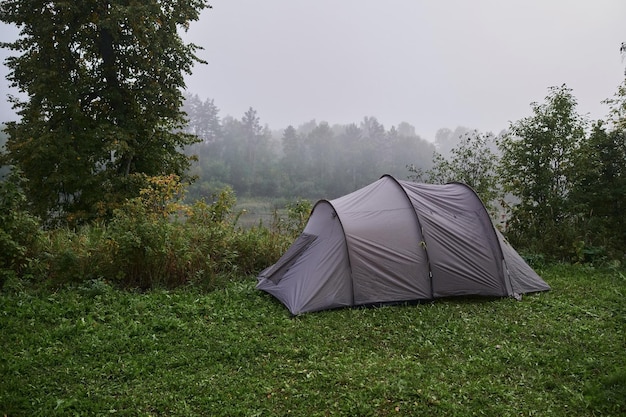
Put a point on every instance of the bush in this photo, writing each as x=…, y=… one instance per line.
x=148, y=242
x=156, y=241
x=19, y=230
x=297, y=216
x=74, y=256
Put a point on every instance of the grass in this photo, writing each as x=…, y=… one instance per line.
x=96, y=350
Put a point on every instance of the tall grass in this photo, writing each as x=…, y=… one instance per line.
x=19, y=230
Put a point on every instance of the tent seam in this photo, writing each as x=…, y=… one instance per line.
x=345, y=241
x=506, y=276
x=421, y=230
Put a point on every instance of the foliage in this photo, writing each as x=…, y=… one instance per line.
x=617, y=104
x=598, y=196
x=4, y=168
x=91, y=349
x=448, y=139
x=297, y=217
x=19, y=230
x=537, y=167
x=156, y=240
x=102, y=85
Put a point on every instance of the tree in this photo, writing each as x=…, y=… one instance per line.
x=351, y=145
x=538, y=155
x=617, y=112
x=293, y=162
x=203, y=119
x=406, y=129
x=598, y=197
x=4, y=169
x=373, y=149
x=599, y=194
x=321, y=144
x=446, y=139
x=103, y=84
x=408, y=149
x=253, y=138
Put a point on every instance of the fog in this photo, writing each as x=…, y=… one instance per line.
x=432, y=64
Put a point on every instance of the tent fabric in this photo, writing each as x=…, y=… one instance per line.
x=395, y=241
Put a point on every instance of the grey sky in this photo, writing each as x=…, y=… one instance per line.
x=434, y=64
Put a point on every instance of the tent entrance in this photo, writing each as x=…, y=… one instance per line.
x=277, y=271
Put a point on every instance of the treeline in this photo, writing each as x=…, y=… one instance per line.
x=558, y=179
x=555, y=182
x=313, y=160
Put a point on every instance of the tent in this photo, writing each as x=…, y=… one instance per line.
x=397, y=241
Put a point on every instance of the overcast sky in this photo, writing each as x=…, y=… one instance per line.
x=434, y=63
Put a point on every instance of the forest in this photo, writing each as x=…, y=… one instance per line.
x=554, y=171
x=313, y=160
x=554, y=182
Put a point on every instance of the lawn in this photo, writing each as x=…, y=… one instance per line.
x=96, y=350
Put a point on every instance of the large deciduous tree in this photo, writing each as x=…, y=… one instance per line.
x=102, y=82
x=599, y=194
x=537, y=167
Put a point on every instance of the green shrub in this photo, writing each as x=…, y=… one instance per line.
x=19, y=230
x=297, y=216
x=157, y=241
x=70, y=256
x=148, y=244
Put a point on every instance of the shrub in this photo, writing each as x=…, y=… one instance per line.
x=157, y=241
x=148, y=245
x=19, y=230
x=297, y=216
x=68, y=256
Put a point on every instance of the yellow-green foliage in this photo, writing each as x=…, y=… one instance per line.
x=156, y=240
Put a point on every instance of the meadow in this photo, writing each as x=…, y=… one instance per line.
x=92, y=349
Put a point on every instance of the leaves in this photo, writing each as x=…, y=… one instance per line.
x=537, y=166
x=103, y=94
x=473, y=162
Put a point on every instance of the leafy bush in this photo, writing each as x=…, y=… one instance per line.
x=297, y=216
x=157, y=241
x=154, y=245
x=19, y=230
x=74, y=256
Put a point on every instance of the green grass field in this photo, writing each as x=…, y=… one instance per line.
x=96, y=350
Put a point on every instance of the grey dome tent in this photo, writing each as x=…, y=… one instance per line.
x=395, y=241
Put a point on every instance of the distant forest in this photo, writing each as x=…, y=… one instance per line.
x=313, y=160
